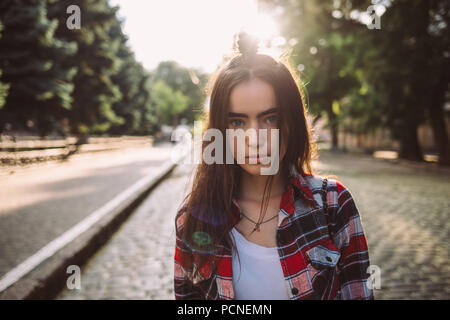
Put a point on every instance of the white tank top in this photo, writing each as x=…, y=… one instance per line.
x=259, y=276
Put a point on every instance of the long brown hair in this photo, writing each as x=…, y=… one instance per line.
x=209, y=208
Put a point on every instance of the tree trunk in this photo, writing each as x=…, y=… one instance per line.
x=440, y=134
x=438, y=91
x=409, y=143
x=437, y=118
x=333, y=129
x=344, y=140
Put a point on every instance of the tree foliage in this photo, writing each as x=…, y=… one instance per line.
x=87, y=77
x=363, y=78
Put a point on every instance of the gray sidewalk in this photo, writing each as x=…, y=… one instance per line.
x=68, y=213
x=137, y=262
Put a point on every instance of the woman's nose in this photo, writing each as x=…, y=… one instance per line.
x=253, y=134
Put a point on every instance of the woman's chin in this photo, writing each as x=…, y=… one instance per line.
x=254, y=169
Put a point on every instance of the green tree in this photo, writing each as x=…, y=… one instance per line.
x=320, y=46
x=3, y=86
x=169, y=104
x=190, y=82
x=133, y=81
x=437, y=44
x=366, y=78
x=97, y=62
x=413, y=71
x=32, y=61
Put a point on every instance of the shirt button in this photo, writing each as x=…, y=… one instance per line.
x=328, y=258
x=294, y=290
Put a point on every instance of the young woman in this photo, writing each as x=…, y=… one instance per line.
x=246, y=235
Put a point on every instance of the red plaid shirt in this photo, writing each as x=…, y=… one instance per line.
x=319, y=261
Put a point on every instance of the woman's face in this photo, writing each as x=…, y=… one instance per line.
x=253, y=106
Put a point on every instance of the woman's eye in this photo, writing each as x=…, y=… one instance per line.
x=272, y=120
x=236, y=122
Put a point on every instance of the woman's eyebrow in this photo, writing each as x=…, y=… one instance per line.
x=243, y=115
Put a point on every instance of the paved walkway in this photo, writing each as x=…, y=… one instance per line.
x=39, y=203
x=137, y=262
x=405, y=213
x=406, y=217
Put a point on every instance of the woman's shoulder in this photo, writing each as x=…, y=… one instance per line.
x=334, y=185
x=333, y=181
x=180, y=217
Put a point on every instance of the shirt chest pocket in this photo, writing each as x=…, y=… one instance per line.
x=321, y=264
x=321, y=257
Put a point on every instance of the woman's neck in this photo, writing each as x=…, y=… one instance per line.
x=252, y=186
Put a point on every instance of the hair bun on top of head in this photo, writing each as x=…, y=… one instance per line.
x=247, y=44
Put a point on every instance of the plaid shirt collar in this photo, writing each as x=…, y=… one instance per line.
x=296, y=183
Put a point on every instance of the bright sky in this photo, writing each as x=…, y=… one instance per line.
x=195, y=33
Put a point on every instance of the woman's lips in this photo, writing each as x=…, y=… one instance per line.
x=257, y=158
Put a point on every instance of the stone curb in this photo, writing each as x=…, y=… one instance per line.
x=49, y=278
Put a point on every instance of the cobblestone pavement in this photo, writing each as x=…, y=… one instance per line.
x=404, y=210
x=405, y=214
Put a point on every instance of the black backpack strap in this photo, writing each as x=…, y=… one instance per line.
x=324, y=196
x=324, y=202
